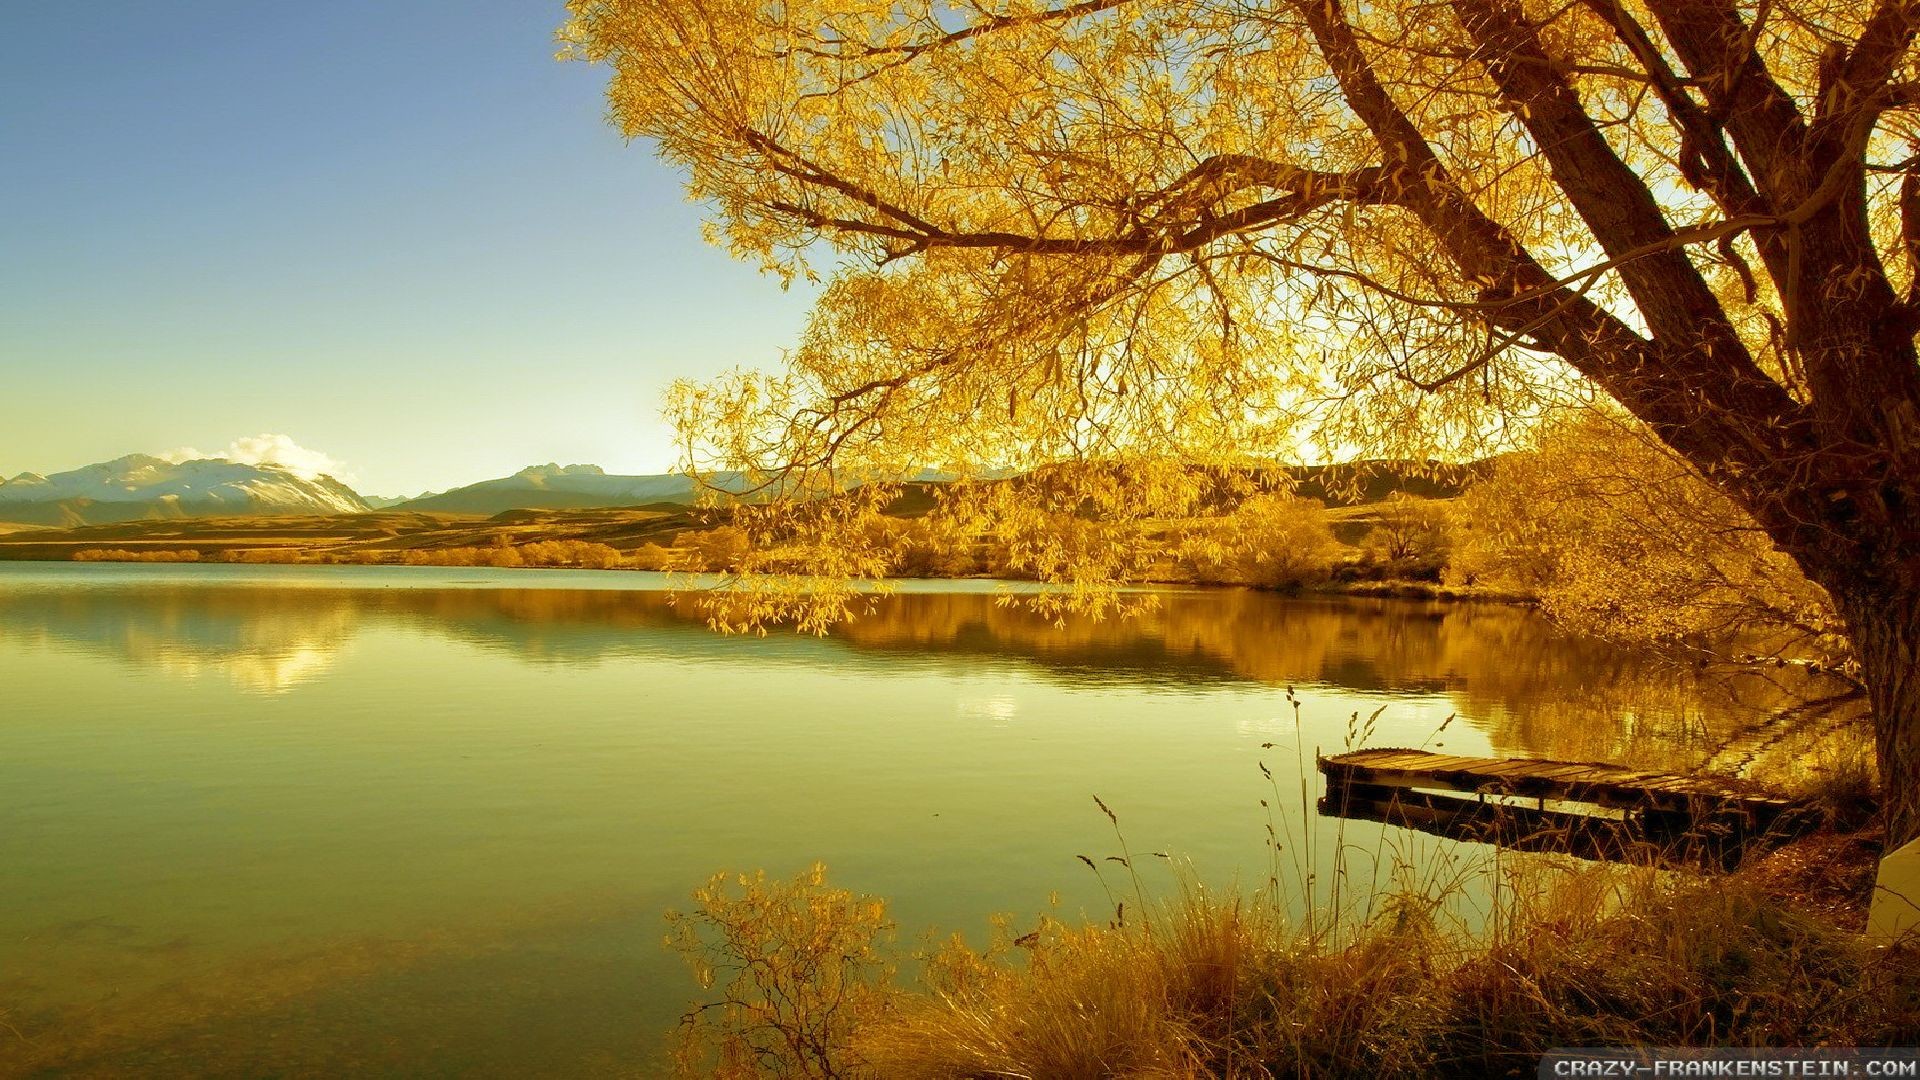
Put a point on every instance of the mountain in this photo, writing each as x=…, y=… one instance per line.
x=564, y=487
x=140, y=487
x=383, y=502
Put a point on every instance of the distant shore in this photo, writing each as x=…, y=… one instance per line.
x=660, y=537
x=281, y=556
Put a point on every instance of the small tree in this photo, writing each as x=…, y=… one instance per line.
x=1621, y=539
x=718, y=549
x=797, y=966
x=1412, y=533
x=651, y=556
x=1271, y=541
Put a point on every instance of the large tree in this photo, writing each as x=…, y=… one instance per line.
x=1116, y=226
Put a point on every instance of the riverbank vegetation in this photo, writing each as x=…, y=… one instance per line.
x=124, y=555
x=1451, y=962
x=1274, y=528
x=804, y=979
x=1253, y=537
x=1609, y=531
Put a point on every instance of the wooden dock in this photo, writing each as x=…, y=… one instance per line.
x=1506, y=800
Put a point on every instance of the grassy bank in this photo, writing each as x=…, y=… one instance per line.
x=805, y=982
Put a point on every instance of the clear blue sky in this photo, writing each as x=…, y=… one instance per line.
x=398, y=232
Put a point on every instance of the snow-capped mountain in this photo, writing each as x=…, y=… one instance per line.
x=564, y=487
x=142, y=486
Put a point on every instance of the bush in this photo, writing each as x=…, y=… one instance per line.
x=256, y=556
x=798, y=964
x=578, y=553
x=1270, y=541
x=123, y=555
x=718, y=549
x=652, y=557
x=571, y=553
x=1619, y=539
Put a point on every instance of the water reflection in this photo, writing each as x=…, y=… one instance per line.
x=256, y=641
x=266, y=821
x=1530, y=689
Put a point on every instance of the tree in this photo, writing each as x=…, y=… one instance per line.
x=1272, y=541
x=1410, y=530
x=1113, y=228
x=1621, y=540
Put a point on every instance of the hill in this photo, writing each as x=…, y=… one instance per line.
x=564, y=487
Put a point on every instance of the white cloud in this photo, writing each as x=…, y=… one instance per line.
x=268, y=449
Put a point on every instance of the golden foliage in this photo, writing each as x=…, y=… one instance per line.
x=1269, y=540
x=124, y=555
x=573, y=553
x=798, y=965
x=264, y=555
x=1126, y=234
x=1620, y=539
x=1106, y=228
x=1412, y=532
x=1120, y=235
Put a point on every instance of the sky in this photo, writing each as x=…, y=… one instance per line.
x=398, y=235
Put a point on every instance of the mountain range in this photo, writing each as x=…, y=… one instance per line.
x=142, y=487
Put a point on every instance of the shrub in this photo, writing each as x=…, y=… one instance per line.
x=651, y=557
x=799, y=965
x=1621, y=540
x=124, y=555
x=1270, y=541
x=253, y=556
x=576, y=553
x=718, y=549
x=580, y=553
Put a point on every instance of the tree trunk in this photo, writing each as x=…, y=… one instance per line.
x=1884, y=625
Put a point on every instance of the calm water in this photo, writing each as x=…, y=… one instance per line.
x=422, y=821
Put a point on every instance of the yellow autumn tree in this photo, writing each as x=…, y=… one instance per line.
x=1622, y=540
x=1109, y=230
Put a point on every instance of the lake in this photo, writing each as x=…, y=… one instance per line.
x=290, y=820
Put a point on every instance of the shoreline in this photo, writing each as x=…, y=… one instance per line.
x=1380, y=589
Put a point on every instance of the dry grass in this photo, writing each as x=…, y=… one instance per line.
x=1459, y=963
x=1225, y=985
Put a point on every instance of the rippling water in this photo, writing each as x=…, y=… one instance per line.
x=425, y=821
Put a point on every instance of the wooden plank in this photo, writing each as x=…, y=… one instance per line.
x=1570, y=772
x=1439, y=761
x=1503, y=769
x=1590, y=782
